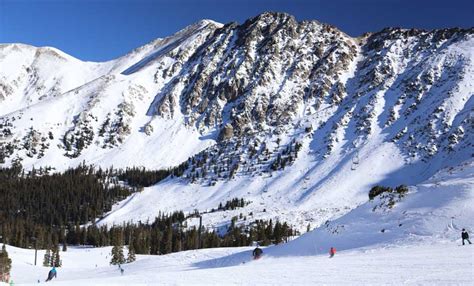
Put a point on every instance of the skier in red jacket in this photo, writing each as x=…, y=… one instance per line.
x=332, y=251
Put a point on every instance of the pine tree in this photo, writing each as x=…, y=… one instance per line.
x=131, y=253
x=57, y=259
x=63, y=239
x=277, y=233
x=155, y=241
x=5, y=265
x=47, y=258
x=53, y=258
x=117, y=255
x=168, y=240
x=269, y=232
x=117, y=251
x=286, y=231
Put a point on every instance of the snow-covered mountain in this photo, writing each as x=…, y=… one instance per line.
x=296, y=117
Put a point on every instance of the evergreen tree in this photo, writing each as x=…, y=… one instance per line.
x=117, y=255
x=131, y=254
x=167, y=241
x=268, y=233
x=63, y=239
x=57, y=262
x=5, y=265
x=117, y=251
x=47, y=258
x=278, y=233
x=77, y=232
x=155, y=241
x=53, y=258
x=286, y=230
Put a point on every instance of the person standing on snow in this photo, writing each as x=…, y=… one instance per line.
x=332, y=251
x=465, y=236
x=257, y=252
x=52, y=274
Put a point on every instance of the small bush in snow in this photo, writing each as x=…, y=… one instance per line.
x=401, y=190
x=377, y=190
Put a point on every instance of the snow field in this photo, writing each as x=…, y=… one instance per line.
x=429, y=263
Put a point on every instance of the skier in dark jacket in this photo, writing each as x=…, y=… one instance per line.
x=257, y=253
x=52, y=274
x=465, y=236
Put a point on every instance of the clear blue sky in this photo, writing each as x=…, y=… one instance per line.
x=105, y=29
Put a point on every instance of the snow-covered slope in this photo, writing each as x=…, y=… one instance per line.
x=432, y=213
x=297, y=117
x=100, y=117
x=425, y=264
x=435, y=210
x=29, y=75
x=416, y=241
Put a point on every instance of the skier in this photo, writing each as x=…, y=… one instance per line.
x=257, y=253
x=332, y=251
x=465, y=236
x=52, y=274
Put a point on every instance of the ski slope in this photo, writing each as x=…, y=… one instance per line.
x=416, y=242
x=439, y=263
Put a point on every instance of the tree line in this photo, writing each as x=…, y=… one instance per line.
x=52, y=209
x=44, y=206
x=171, y=233
x=39, y=205
x=141, y=177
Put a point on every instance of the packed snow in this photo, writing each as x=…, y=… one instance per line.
x=440, y=263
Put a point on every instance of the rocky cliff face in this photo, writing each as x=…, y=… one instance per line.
x=261, y=74
x=260, y=92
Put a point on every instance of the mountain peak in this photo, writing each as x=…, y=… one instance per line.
x=268, y=18
x=205, y=22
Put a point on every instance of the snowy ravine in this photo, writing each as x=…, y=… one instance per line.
x=296, y=117
x=420, y=245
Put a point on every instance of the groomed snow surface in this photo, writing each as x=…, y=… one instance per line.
x=429, y=264
x=416, y=242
